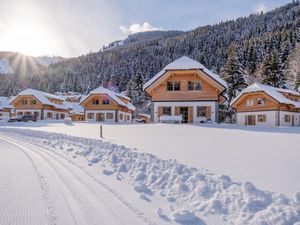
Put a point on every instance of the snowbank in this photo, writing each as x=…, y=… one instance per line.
x=188, y=190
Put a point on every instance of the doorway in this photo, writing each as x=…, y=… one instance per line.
x=250, y=120
x=184, y=111
x=100, y=117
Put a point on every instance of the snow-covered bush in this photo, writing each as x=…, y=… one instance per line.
x=68, y=121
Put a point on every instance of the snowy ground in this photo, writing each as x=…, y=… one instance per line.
x=268, y=157
x=160, y=191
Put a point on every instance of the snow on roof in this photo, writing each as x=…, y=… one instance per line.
x=185, y=63
x=272, y=91
x=43, y=97
x=143, y=114
x=115, y=96
x=76, y=107
x=5, y=103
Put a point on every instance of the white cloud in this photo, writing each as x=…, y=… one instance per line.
x=136, y=27
x=261, y=7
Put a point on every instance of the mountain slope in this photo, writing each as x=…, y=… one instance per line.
x=254, y=36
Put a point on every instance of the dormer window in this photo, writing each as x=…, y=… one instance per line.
x=194, y=86
x=95, y=102
x=173, y=86
x=250, y=102
x=105, y=101
x=33, y=102
x=261, y=101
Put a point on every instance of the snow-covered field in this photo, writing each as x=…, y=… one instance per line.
x=197, y=173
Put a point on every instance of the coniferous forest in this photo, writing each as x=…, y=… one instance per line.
x=261, y=47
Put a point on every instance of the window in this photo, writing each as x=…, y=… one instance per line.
x=24, y=102
x=33, y=102
x=95, y=102
x=90, y=115
x=128, y=117
x=173, y=86
x=36, y=114
x=170, y=86
x=121, y=116
x=27, y=113
x=19, y=113
x=109, y=116
x=62, y=116
x=287, y=118
x=105, y=101
x=166, y=111
x=49, y=115
x=261, y=118
x=261, y=101
x=201, y=111
x=250, y=102
x=194, y=86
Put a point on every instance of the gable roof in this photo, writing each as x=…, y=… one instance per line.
x=185, y=63
x=114, y=95
x=5, y=103
x=43, y=97
x=271, y=91
x=76, y=108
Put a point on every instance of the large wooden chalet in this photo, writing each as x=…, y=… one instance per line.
x=187, y=89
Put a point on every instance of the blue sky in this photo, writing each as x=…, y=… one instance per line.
x=75, y=27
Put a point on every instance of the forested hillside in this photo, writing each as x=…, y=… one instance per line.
x=259, y=47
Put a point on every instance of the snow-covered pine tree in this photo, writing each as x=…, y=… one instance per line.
x=272, y=70
x=138, y=92
x=233, y=73
x=293, y=68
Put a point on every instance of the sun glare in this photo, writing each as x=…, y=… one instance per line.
x=28, y=37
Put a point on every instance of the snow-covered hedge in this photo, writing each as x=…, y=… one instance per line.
x=188, y=190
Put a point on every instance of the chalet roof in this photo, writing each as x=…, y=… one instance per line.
x=271, y=91
x=76, y=107
x=5, y=103
x=185, y=63
x=43, y=97
x=114, y=95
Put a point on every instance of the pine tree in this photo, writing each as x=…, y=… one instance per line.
x=233, y=73
x=138, y=92
x=272, y=70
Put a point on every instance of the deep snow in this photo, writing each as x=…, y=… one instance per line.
x=268, y=157
x=188, y=191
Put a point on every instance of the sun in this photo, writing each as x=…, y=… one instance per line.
x=28, y=36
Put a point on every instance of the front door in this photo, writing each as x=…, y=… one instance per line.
x=250, y=120
x=184, y=111
x=100, y=117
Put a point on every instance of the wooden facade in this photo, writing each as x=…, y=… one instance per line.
x=31, y=104
x=195, y=105
x=102, y=107
x=269, y=107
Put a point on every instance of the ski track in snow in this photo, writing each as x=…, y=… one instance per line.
x=80, y=202
x=189, y=191
x=23, y=199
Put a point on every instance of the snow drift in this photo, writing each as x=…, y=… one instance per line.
x=189, y=191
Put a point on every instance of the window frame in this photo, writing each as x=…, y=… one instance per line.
x=95, y=102
x=166, y=109
x=110, y=117
x=105, y=101
x=248, y=101
x=261, y=118
x=192, y=83
x=24, y=102
x=198, y=111
x=173, y=86
x=261, y=101
x=287, y=118
x=90, y=116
